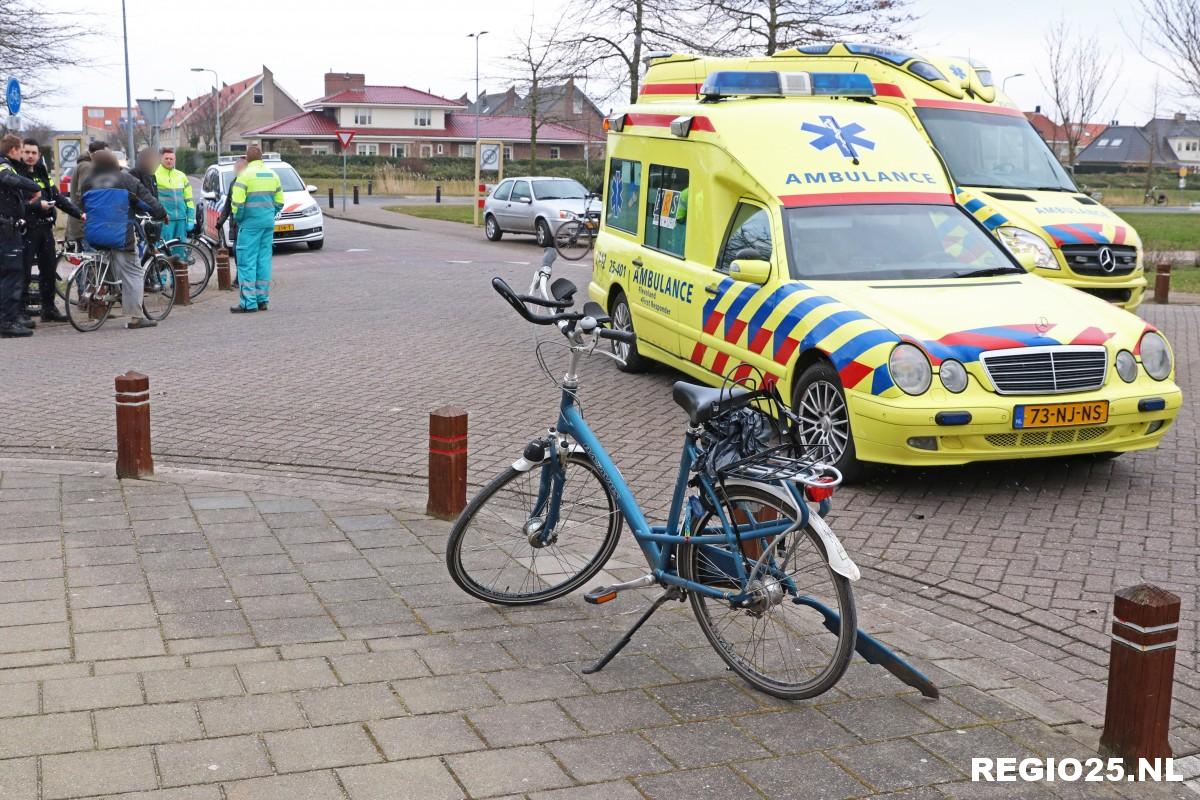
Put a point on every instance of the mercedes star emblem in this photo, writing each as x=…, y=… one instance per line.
x=1107, y=262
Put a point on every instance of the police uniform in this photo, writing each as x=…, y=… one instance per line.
x=39, y=240
x=256, y=198
x=175, y=193
x=14, y=189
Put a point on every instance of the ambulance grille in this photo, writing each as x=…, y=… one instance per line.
x=1089, y=259
x=1046, y=370
x=1039, y=438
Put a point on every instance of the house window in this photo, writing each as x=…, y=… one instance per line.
x=441, y=149
x=466, y=151
x=508, y=152
x=577, y=104
x=1116, y=142
x=423, y=118
x=1102, y=143
x=400, y=150
x=362, y=116
x=258, y=94
x=426, y=150
x=95, y=113
x=555, y=152
x=320, y=150
x=367, y=149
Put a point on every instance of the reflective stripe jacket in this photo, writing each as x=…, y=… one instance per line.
x=257, y=196
x=175, y=193
x=14, y=191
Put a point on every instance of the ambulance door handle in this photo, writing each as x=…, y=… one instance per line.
x=712, y=289
x=637, y=262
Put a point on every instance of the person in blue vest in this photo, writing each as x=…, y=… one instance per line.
x=256, y=198
x=175, y=194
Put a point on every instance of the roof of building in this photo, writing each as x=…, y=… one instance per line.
x=1052, y=131
x=493, y=102
x=314, y=124
x=384, y=96
x=1120, y=144
x=229, y=93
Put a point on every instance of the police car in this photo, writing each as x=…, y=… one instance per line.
x=782, y=228
x=300, y=221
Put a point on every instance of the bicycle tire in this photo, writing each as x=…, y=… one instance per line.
x=159, y=296
x=573, y=240
x=468, y=578
x=696, y=566
x=199, y=261
x=83, y=312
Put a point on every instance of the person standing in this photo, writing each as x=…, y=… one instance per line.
x=239, y=167
x=40, y=247
x=83, y=168
x=175, y=194
x=110, y=197
x=146, y=170
x=256, y=198
x=15, y=188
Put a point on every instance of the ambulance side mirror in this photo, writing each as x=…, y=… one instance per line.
x=209, y=196
x=750, y=270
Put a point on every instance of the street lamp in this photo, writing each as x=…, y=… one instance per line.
x=1004, y=83
x=128, y=91
x=217, y=85
x=476, y=36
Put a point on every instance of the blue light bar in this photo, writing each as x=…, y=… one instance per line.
x=730, y=83
x=842, y=84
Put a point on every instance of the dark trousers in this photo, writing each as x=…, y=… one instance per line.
x=12, y=274
x=40, y=249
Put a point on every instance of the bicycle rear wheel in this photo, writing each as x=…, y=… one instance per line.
x=89, y=301
x=573, y=240
x=492, y=552
x=159, y=296
x=796, y=635
x=199, y=262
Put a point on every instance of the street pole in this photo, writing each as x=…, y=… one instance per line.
x=1004, y=83
x=129, y=121
x=345, y=150
x=217, y=100
x=478, y=110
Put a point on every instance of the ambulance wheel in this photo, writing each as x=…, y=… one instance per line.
x=820, y=403
x=541, y=232
x=317, y=245
x=622, y=319
x=491, y=229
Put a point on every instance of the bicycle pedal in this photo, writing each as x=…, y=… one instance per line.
x=601, y=594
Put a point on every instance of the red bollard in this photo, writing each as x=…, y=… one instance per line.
x=183, y=286
x=1141, y=671
x=223, y=281
x=133, y=426
x=447, y=462
x=1162, y=284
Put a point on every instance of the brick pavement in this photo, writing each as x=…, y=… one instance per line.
x=207, y=635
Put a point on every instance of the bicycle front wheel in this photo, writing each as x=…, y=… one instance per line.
x=573, y=240
x=199, y=263
x=159, y=294
x=495, y=554
x=89, y=300
x=794, y=638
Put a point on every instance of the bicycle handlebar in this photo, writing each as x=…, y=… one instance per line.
x=591, y=310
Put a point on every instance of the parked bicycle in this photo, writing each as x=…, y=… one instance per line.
x=198, y=254
x=94, y=288
x=574, y=239
x=745, y=540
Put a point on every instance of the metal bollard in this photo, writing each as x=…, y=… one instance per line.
x=355, y=195
x=133, y=426
x=223, y=281
x=437, y=194
x=331, y=197
x=447, y=462
x=370, y=188
x=1141, y=670
x=183, y=286
x=1162, y=284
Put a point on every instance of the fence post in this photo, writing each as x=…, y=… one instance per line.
x=355, y=195
x=183, y=286
x=370, y=187
x=223, y=281
x=447, y=462
x=1162, y=284
x=437, y=194
x=331, y=197
x=1141, y=670
x=133, y=426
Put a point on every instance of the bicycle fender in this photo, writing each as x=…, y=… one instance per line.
x=839, y=561
x=523, y=464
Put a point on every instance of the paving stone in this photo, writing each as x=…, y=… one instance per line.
x=294, y=630
x=711, y=782
x=419, y=779
x=282, y=605
x=528, y=723
x=118, y=644
x=894, y=765
x=286, y=676
x=211, y=761
x=350, y=704
x=116, y=594
x=101, y=772
x=446, y=693
x=32, y=613
x=612, y=790
x=19, y=699
x=427, y=735
x=254, y=714
x=369, y=667
x=28, y=638
x=616, y=711
x=604, y=758
x=117, y=618
x=543, y=683
x=880, y=718
x=806, y=777
x=458, y=659
x=496, y=772
x=201, y=624
x=18, y=777
x=126, y=727
x=704, y=699
x=320, y=748
x=193, y=683
x=799, y=731
x=700, y=744
x=48, y=733
x=301, y=786
x=958, y=747
x=78, y=694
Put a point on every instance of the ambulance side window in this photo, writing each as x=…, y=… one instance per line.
x=667, y=209
x=749, y=228
x=624, y=192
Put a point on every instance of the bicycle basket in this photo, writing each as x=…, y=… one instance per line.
x=153, y=231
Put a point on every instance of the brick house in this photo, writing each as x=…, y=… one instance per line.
x=248, y=103
x=1056, y=135
x=1167, y=142
x=403, y=122
x=563, y=103
x=107, y=124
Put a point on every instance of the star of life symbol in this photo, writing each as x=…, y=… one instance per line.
x=958, y=71
x=614, y=194
x=845, y=137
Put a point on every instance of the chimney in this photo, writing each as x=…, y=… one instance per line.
x=1037, y=109
x=344, y=81
x=1180, y=116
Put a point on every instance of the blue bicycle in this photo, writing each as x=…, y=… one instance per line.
x=745, y=540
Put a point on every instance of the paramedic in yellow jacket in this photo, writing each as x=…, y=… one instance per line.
x=256, y=198
x=175, y=194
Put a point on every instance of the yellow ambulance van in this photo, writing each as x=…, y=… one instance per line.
x=1003, y=172
x=785, y=227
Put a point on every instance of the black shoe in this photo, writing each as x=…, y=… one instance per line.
x=262, y=306
x=141, y=322
x=52, y=314
x=27, y=321
x=240, y=310
x=14, y=330
x=235, y=284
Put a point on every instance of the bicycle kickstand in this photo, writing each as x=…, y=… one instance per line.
x=672, y=593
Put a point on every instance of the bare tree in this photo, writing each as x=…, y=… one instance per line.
x=1079, y=78
x=541, y=59
x=768, y=26
x=35, y=43
x=201, y=125
x=1172, y=30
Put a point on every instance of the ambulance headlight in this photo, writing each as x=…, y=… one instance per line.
x=1022, y=242
x=953, y=375
x=910, y=369
x=1126, y=366
x=1156, y=356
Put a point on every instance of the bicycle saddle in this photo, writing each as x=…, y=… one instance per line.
x=702, y=403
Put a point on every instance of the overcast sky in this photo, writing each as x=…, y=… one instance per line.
x=424, y=45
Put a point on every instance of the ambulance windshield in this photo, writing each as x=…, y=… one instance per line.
x=996, y=150
x=889, y=242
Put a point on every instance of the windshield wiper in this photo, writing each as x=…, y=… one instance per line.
x=990, y=271
x=1049, y=189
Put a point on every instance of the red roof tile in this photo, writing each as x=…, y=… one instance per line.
x=228, y=94
x=458, y=126
x=1051, y=131
x=385, y=96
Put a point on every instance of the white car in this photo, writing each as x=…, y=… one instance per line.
x=300, y=221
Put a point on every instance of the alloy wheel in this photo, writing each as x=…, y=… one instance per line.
x=824, y=419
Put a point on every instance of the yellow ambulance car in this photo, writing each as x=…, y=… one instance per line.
x=785, y=228
x=1003, y=172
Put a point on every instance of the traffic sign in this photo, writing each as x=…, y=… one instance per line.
x=344, y=137
x=489, y=157
x=12, y=96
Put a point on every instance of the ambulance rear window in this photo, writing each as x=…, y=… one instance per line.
x=667, y=209
x=624, y=192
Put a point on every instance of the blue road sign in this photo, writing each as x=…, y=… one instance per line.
x=12, y=96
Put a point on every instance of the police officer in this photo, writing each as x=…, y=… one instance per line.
x=39, y=229
x=14, y=191
x=175, y=193
x=256, y=198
